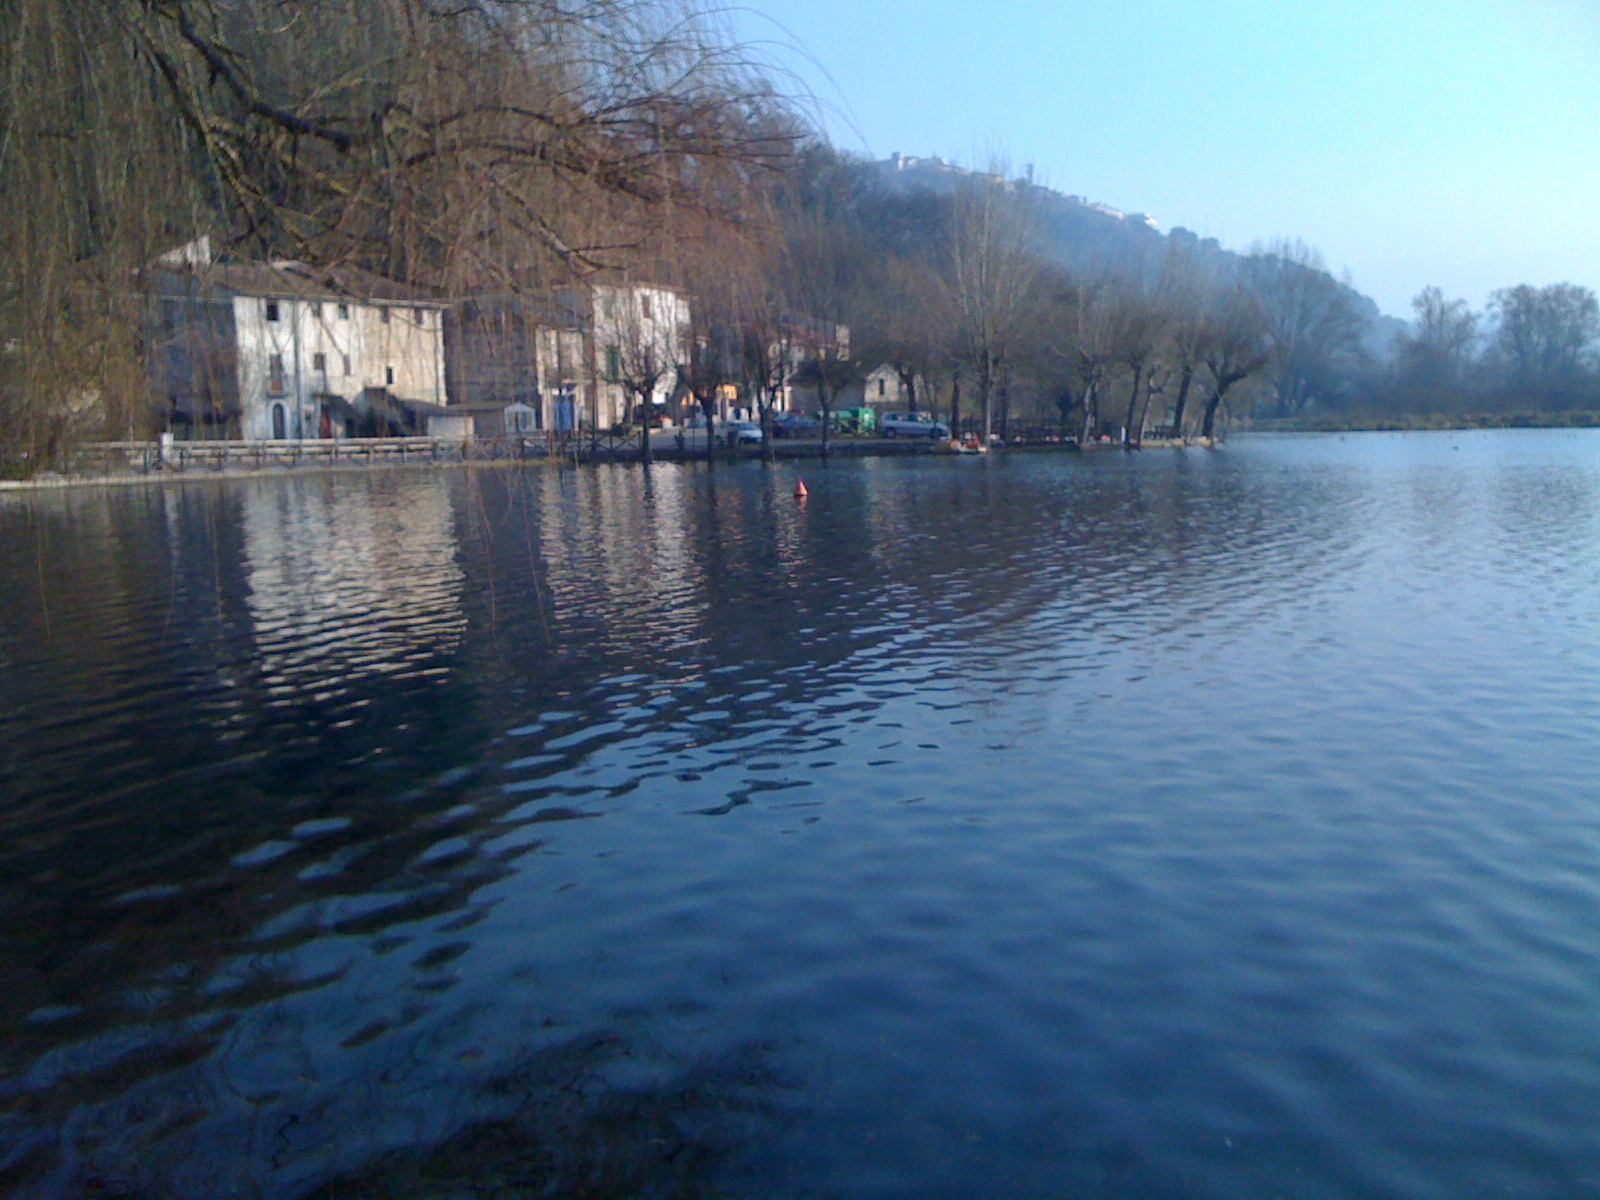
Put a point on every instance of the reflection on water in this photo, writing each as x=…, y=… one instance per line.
x=1150, y=825
x=342, y=586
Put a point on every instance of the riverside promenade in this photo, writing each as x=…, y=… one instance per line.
x=142, y=462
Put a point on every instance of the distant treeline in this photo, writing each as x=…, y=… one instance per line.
x=1004, y=324
x=1531, y=358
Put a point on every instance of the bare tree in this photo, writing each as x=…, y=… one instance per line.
x=1083, y=334
x=1545, y=335
x=1432, y=357
x=1237, y=347
x=823, y=270
x=994, y=272
x=647, y=349
x=904, y=320
x=1314, y=321
x=771, y=348
x=1189, y=298
x=1139, y=324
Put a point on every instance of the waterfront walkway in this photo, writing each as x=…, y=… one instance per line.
x=155, y=461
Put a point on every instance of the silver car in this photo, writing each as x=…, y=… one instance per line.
x=900, y=424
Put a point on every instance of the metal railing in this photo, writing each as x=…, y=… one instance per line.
x=142, y=457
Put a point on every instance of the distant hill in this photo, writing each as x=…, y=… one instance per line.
x=1082, y=234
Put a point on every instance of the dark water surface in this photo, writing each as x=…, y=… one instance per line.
x=1167, y=825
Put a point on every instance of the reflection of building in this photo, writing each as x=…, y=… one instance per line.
x=281, y=350
x=353, y=578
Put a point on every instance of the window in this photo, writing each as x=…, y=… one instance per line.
x=319, y=362
x=316, y=310
x=383, y=314
x=272, y=310
x=346, y=364
x=388, y=376
x=613, y=363
x=422, y=317
x=280, y=422
x=645, y=307
x=881, y=385
x=275, y=373
x=344, y=315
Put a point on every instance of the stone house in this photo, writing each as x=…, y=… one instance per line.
x=571, y=357
x=517, y=364
x=282, y=350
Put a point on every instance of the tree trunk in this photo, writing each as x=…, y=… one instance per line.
x=955, y=402
x=1209, y=423
x=1091, y=408
x=644, y=430
x=825, y=400
x=1133, y=406
x=1183, y=399
x=908, y=380
x=1142, y=417
x=708, y=409
x=1005, y=405
x=986, y=394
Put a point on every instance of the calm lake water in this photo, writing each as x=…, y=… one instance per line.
x=1177, y=824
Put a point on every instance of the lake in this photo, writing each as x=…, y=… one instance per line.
x=1172, y=824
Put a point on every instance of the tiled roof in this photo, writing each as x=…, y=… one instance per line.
x=294, y=281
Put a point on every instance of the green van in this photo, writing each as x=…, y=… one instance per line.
x=855, y=420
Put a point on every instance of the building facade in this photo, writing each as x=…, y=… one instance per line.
x=279, y=350
x=513, y=351
x=638, y=339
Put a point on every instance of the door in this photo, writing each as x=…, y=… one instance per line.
x=280, y=422
x=565, y=415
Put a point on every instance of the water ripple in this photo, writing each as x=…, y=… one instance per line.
x=1114, y=825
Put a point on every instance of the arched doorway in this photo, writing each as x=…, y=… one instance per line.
x=280, y=422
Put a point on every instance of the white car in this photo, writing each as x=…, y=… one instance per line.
x=900, y=424
x=743, y=433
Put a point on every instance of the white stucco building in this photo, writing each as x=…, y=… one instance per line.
x=636, y=332
x=281, y=350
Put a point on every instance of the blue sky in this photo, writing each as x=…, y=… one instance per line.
x=1413, y=142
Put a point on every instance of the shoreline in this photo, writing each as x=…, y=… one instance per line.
x=1426, y=423
x=784, y=451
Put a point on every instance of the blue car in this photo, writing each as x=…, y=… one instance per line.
x=794, y=424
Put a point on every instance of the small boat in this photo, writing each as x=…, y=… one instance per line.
x=967, y=445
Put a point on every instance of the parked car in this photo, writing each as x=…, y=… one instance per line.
x=794, y=424
x=902, y=424
x=743, y=433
